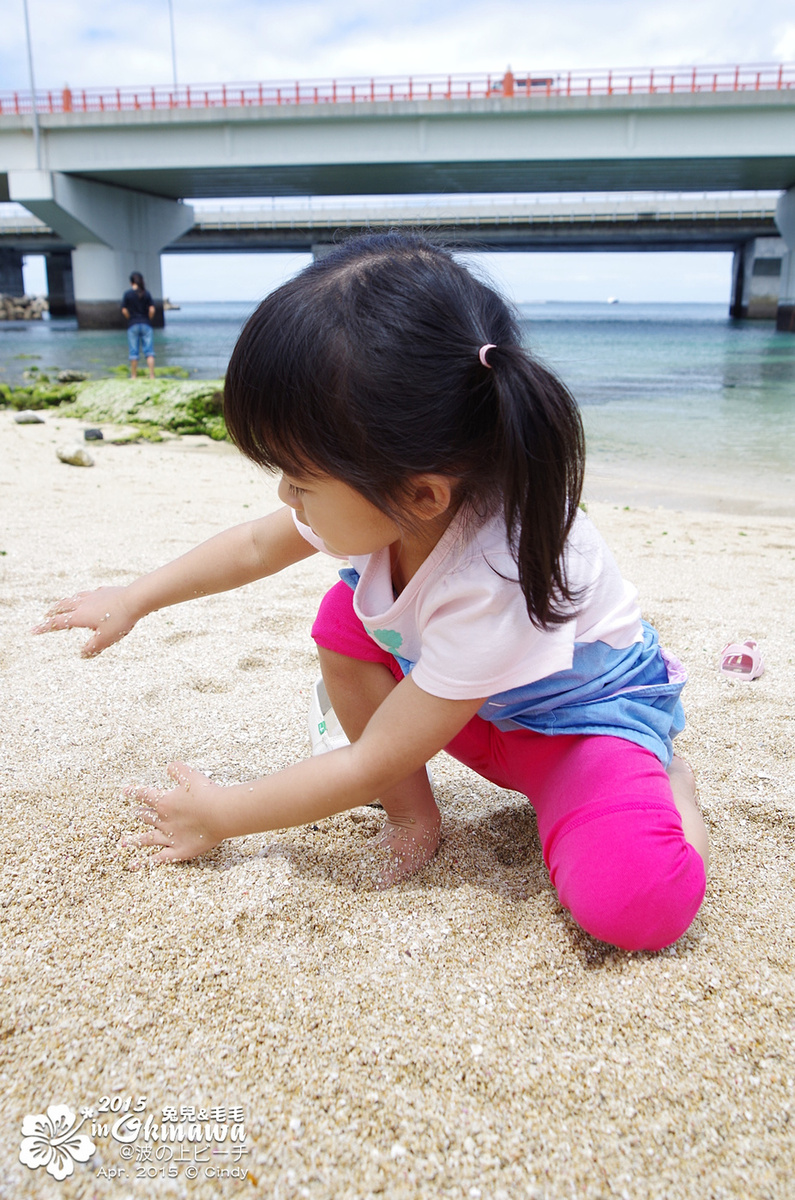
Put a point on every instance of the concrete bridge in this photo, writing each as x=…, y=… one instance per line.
x=108, y=170
x=745, y=225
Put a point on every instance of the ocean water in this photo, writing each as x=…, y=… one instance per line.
x=690, y=398
x=679, y=393
x=199, y=337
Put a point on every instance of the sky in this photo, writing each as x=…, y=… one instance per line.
x=88, y=43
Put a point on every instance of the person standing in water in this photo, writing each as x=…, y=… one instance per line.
x=138, y=310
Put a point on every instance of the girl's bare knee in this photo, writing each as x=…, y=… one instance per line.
x=342, y=670
x=356, y=688
x=338, y=666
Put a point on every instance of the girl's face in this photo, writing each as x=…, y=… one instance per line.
x=334, y=511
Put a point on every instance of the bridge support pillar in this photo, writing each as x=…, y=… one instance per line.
x=11, y=281
x=785, y=219
x=114, y=231
x=755, y=278
x=60, y=283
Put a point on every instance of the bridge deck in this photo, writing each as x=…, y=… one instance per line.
x=535, y=84
x=654, y=224
x=704, y=130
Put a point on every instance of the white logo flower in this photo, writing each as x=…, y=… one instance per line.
x=53, y=1141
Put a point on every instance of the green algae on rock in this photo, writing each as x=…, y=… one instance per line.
x=37, y=394
x=181, y=406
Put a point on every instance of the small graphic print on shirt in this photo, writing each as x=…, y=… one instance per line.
x=389, y=638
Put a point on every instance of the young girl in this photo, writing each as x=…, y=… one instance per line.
x=481, y=614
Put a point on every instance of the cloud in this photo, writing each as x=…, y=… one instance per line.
x=92, y=44
x=784, y=41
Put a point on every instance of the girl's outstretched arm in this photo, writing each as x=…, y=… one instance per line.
x=403, y=734
x=230, y=559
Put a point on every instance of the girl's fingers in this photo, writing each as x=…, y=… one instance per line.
x=93, y=647
x=56, y=621
x=58, y=616
x=182, y=774
x=150, y=815
x=67, y=605
x=165, y=856
x=153, y=837
x=150, y=796
x=149, y=837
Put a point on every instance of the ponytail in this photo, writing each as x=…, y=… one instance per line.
x=543, y=464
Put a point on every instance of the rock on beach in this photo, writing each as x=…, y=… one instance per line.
x=75, y=456
x=22, y=308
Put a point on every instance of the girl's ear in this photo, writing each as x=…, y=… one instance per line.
x=430, y=495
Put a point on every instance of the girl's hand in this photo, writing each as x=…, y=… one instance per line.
x=184, y=820
x=107, y=611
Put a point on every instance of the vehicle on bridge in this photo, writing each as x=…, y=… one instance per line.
x=523, y=85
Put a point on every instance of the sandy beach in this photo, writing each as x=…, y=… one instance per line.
x=457, y=1036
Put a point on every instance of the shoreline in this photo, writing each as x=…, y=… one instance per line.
x=457, y=1034
x=610, y=483
x=611, y=477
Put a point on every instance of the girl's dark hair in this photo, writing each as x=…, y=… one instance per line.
x=365, y=367
x=138, y=279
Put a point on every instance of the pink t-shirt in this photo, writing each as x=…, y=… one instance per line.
x=462, y=623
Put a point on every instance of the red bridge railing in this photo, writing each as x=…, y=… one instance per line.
x=534, y=84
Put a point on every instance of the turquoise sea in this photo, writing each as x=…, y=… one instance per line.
x=691, y=406
x=679, y=394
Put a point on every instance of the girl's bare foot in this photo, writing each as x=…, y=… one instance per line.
x=410, y=835
x=408, y=848
x=683, y=786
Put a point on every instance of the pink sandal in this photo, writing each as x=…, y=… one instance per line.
x=743, y=662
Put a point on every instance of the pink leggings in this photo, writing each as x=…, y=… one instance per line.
x=611, y=835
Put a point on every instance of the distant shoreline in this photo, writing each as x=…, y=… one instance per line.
x=632, y=484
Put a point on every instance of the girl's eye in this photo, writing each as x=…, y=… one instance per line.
x=295, y=491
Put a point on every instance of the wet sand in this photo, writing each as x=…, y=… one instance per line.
x=457, y=1036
